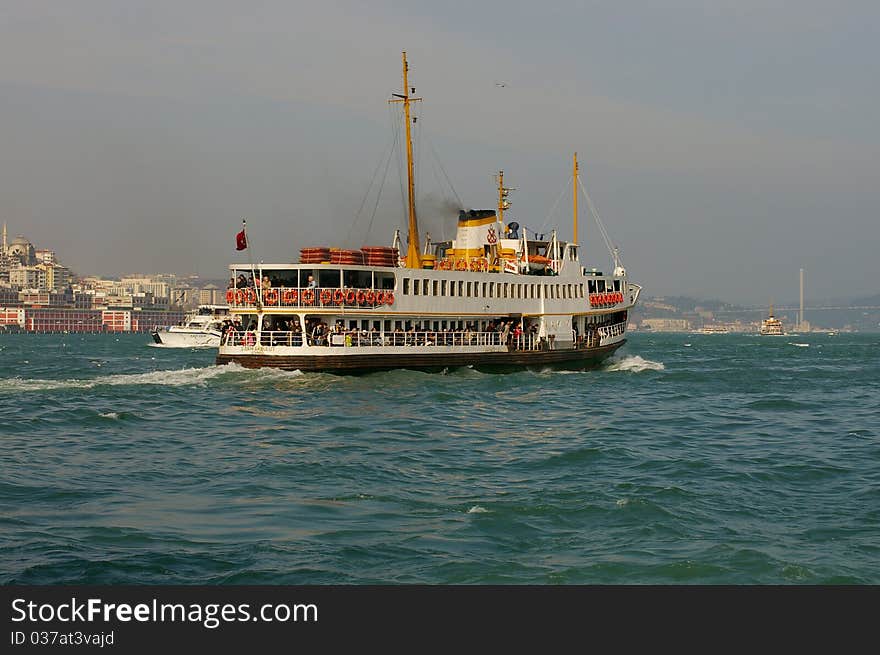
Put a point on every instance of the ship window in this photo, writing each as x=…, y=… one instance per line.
x=591, y=286
x=452, y=288
x=406, y=286
x=461, y=288
x=357, y=279
x=484, y=290
x=470, y=288
x=443, y=288
x=387, y=326
x=384, y=281
x=328, y=279
x=417, y=288
x=600, y=285
x=436, y=288
x=617, y=285
x=491, y=289
x=425, y=287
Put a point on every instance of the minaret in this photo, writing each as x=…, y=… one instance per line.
x=801, y=315
x=3, y=252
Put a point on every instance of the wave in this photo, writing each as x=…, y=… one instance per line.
x=169, y=378
x=799, y=345
x=633, y=364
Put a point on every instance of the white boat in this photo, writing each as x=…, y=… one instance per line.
x=713, y=329
x=772, y=326
x=202, y=328
x=493, y=298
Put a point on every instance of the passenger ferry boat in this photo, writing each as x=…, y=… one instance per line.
x=772, y=326
x=713, y=329
x=201, y=328
x=494, y=298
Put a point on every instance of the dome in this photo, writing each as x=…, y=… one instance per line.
x=20, y=241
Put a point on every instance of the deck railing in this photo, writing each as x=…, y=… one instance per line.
x=251, y=338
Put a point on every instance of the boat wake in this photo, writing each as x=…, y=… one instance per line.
x=799, y=345
x=633, y=364
x=170, y=378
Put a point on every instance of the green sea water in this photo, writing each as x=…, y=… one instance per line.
x=686, y=459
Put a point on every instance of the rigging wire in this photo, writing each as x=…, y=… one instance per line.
x=546, y=222
x=390, y=149
x=608, y=243
x=401, y=162
x=382, y=185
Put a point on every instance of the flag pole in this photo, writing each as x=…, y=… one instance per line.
x=258, y=283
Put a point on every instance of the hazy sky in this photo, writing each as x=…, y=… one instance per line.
x=726, y=144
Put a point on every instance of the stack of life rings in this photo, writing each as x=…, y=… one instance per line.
x=601, y=299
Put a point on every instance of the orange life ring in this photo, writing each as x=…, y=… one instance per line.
x=461, y=265
x=250, y=296
x=370, y=297
x=389, y=298
x=308, y=296
x=230, y=296
x=380, y=297
x=475, y=265
x=326, y=296
x=350, y=297
x=361, y=298
x=270, y=296
x=289, y=296
x=239, y=297
x=339, y=296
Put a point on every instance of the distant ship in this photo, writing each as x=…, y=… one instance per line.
x=713, y=329
x=201, y=328
x=494, y=297
x=772, y=326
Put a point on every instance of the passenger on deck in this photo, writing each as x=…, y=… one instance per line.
x=312, y=284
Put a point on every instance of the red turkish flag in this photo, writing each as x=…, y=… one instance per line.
x=240, y=241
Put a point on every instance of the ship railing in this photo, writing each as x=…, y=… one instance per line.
x=253, y=338
x=309, y=297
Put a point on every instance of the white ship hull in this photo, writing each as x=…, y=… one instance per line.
x=176, y=337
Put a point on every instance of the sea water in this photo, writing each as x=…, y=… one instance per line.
x=685, y=459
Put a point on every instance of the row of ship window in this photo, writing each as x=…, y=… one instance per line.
x=471, y=289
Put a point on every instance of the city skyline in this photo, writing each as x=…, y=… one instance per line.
x=138, y=136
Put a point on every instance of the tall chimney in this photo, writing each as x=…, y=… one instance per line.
x=801, y=315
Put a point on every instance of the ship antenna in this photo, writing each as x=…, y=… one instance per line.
x=575, y=197
x=413, y=256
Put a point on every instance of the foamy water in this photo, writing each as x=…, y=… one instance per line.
x=632, y=364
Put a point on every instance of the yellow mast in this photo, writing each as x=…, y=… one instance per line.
x=413, y=256
x=501, y=197
x=575, y=196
